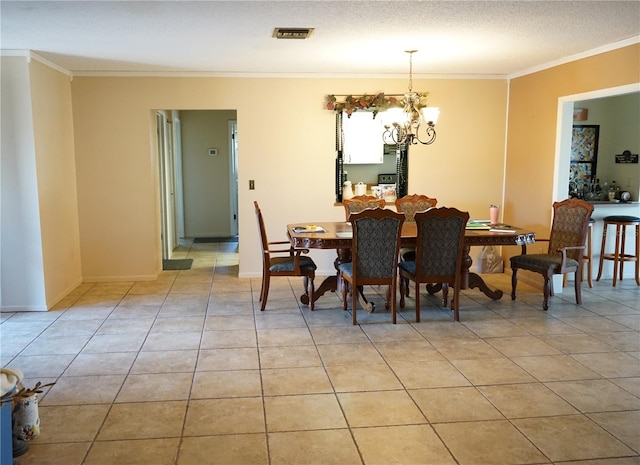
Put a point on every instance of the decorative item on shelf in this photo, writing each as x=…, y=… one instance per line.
x=347, y=190
x=580, y=114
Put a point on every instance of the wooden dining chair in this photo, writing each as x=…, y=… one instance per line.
x=361, y=202
x=283, y=261
x=411, y=204
x=374, y=256
x=565, y=252
x=438, y=256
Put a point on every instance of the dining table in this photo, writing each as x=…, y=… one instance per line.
x=338, y=235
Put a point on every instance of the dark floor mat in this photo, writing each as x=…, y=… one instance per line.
x=205, y=240
x=181, y=264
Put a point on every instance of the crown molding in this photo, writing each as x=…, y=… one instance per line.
x=589, y=53
x=29, y=55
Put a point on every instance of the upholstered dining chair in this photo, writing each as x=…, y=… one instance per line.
x=565, y=252
x=410, y=205
x=438, y=255
x=283, y=261
x=361, y=202
x=374, y=256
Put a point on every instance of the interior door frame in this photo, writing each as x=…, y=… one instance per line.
x=177, y=163
x=167, y=186
x=564, y=130
x=233, y=176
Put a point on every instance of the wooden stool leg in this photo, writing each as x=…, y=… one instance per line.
x=622, y=254
x=638, y=254
x=589, y=257
x=616, y=256
x=602, y=249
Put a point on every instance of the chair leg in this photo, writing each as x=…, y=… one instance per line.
x=388, y=297
x=417, y=301
x=547, y=292
x=445, y=294
x=345, y=292
x=402, y=283
x=354, y=303
x=455, y=301
x=392, y=289
x=514, y=282
x=264, y=277
x=265, y=291
x=578, y=285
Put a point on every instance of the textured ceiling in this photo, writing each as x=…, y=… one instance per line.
x=367, y=38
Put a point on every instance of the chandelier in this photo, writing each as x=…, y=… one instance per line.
x=403, y=126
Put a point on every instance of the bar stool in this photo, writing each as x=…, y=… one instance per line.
x=586, y=258
x=619, y=256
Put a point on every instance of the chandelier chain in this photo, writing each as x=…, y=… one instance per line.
x=410, y=52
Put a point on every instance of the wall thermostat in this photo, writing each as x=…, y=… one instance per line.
x=213, y=152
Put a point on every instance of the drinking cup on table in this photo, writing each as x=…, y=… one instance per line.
x=494, y=211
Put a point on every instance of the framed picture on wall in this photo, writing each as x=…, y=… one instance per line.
x=584, y=154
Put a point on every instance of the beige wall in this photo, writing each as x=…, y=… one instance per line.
x=39, y=229
x=286, y=144
x=206, y=178
x=57, y=191
x=531, y=136
x=22, y=279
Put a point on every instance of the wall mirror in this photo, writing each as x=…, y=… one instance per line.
x=362, y=156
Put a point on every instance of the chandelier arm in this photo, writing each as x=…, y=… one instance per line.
x=430, y=133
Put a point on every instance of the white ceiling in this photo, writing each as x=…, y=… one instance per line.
x=364, y=38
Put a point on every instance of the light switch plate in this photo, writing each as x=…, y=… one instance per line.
x=213, y=152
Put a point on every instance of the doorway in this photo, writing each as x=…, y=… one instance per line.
x=565, y=130
x=198, y=169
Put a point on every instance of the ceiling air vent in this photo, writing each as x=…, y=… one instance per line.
x=292, y=32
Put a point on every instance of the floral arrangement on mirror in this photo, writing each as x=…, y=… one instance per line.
x=376, y=102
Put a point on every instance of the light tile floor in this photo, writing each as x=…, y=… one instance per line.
x=186, y=370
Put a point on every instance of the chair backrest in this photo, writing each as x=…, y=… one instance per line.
x=263, y=233
x=361, y=202
x=569, y=228
x=440, y=244
x=411, y=204
x=375, y=243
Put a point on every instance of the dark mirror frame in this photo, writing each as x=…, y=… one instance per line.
x=402, y=163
